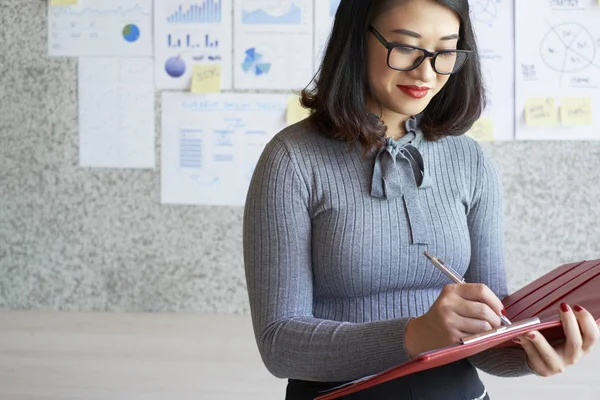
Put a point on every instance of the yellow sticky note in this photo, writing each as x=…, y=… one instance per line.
x=206, y=79
x=541, y=111
x=63, y=2
x=295, y=111
x=482, y=130
x=575, y=111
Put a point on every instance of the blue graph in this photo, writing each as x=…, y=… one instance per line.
x=189, y=42
x=333, y=6
x=207, y=13
x=261, y=17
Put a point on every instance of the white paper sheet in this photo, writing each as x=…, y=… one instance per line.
x=273, y=44
x=116, y=112
x=211, y=144
x=494, y=26
x=101, y=28
x=324, y=15
x=558, y=55
x=188, y=34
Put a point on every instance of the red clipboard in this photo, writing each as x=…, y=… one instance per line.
x=533, y=307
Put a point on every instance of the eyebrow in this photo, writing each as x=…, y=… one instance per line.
x=416, y=35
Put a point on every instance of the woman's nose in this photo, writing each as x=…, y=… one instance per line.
x=425, y=72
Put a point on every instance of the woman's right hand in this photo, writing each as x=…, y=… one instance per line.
x=459, y=311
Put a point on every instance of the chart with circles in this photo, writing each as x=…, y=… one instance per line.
x=558, y=70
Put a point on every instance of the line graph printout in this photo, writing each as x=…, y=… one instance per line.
x=190, y=33
x=211, y=144
x=273, y=44
x=324, y=15
x=116, y=113
x=493, y=23
x=558, y=70
x=101, y=28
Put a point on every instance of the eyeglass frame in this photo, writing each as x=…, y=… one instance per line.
x=390, y=46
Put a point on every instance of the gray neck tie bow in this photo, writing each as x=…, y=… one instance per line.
x=399, y=171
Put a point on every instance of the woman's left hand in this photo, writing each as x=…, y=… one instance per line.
x=581, y=333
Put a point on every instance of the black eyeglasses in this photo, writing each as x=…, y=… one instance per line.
x=403, y=57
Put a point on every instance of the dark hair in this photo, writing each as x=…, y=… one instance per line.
x=337, y=100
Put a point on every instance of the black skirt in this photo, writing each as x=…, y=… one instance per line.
x=455, y=381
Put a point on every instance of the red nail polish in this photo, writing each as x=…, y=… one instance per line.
x=564, y=307
x=504, y=312
x=531, y=336
x=577, y=308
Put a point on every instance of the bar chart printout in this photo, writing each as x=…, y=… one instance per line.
x=189, y=34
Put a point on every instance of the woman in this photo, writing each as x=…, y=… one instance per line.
x=342, y=206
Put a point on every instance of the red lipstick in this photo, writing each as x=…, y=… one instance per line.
x=416, y=92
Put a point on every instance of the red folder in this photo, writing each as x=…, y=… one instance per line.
x=533, y=307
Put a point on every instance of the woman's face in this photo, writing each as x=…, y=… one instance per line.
x=422, y=23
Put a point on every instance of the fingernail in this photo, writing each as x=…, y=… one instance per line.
x=531, y=336
x=577, y=308
x=517, y=340
x=504, y=312
x=564, y=307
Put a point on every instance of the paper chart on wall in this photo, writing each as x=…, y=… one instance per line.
x=116, y=113
x=273, y=44
x=211, y=144
x=189, y=34
x=101, y=28
x=493, y=23
x=558, y=70
x=324, y=15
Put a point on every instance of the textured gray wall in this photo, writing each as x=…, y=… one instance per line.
x=89, y=239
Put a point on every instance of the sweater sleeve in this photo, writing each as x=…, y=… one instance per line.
x=487, y=261
x=277, y=261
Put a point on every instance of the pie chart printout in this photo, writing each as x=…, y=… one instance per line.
x=568, y=47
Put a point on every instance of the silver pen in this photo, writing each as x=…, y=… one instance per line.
x=455, y=277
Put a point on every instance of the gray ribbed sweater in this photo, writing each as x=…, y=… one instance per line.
x=333, y=248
